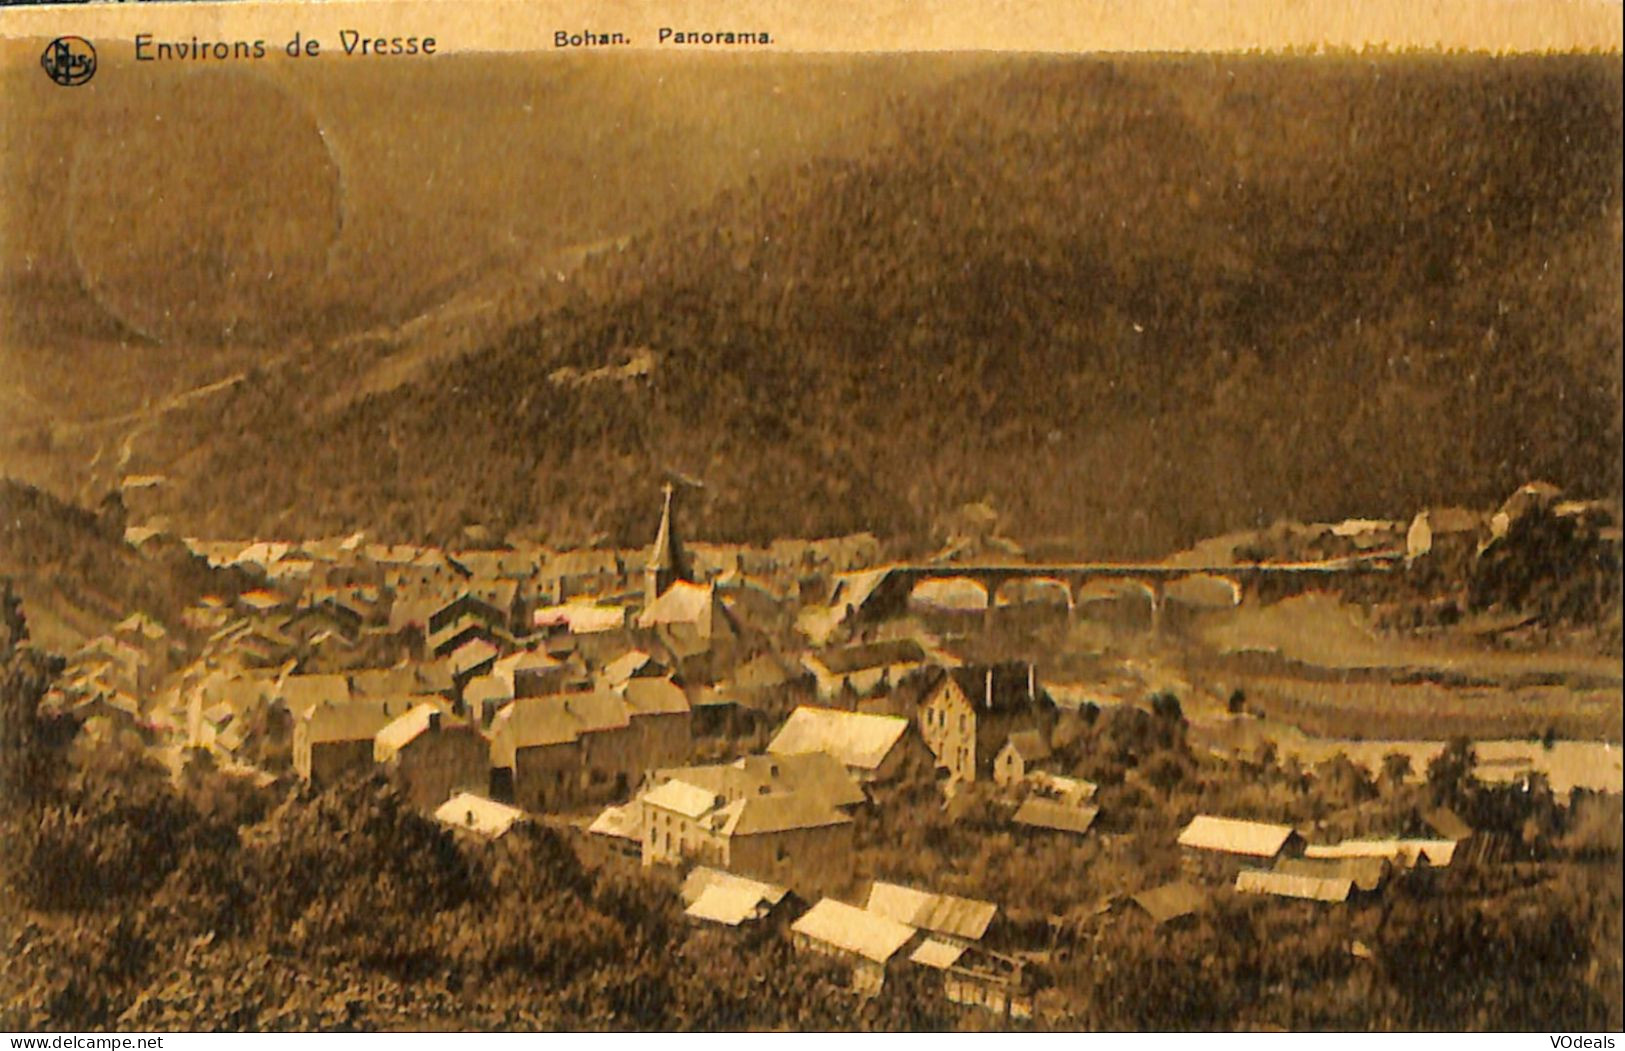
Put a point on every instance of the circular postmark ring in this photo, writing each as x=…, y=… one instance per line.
x=69, y=61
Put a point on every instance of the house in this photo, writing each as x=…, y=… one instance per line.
x=1220, y=846
x=969, y=716
x=535, y=673
x=662, y=721
x=1294, y=885
x=1170, y=902
x=875, y=748
x=473, y=658
x=1019, y=758
x=792, y=838
x=570, y=748
x=767, y=683
x=430, y=755
x=1055, y=816
x=478, y=816
x=863, y=670
x=960, y=921
x=675, y=826
x=869, y=942
x=977, y=977
x=332, y=737
x=596, y=632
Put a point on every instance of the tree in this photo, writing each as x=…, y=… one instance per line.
x=1450, y=773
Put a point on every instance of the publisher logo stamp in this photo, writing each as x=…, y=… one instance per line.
x=69, y=60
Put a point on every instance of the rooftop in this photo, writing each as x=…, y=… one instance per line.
x=1229, y=836
x=857, y=740
x=867, y=934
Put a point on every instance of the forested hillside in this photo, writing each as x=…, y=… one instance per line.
x=1131, y=302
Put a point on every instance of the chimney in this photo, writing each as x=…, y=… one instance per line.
x=434, y=722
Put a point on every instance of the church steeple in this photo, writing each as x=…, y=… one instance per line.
x=668, y=562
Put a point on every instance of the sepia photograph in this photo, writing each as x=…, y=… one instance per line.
x=667, y=531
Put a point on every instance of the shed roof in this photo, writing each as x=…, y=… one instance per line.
x=867, y=934
x=942, y=913
x=1291, y=885
x=937, y=954
x=1171, y=901
x=1038, y=812
x=1227, y=835
x=859, y=740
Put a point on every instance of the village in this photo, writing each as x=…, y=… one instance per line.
x=745, y=720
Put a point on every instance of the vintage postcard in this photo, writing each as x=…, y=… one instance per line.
x=733, y=517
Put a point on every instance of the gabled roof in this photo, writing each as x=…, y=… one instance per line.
x=580, y=618
x=379, y=681
x=1366, y=873
x=859, y=740
x=1404, y=852
x=303, y=692
x=682, y=603
x=618, y=822
x=647, y=696
x=818, y=775
x=942, y=913
x=725, y=898
x=471, y=654
x=761, y=672
x=595, y=710
x=1289, y=885
x=625, y=667
x=1227, y=835
x=726, y=905
x=680, y=797
x=484, y=688
x=849, y=659
x=479, y=815
x=355, y=720
x=1038, y=812
x=1029, y=745
x=704, y=877
x=867, y=934
x=1171, y=901
x=783, y=812
x=404, y=730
